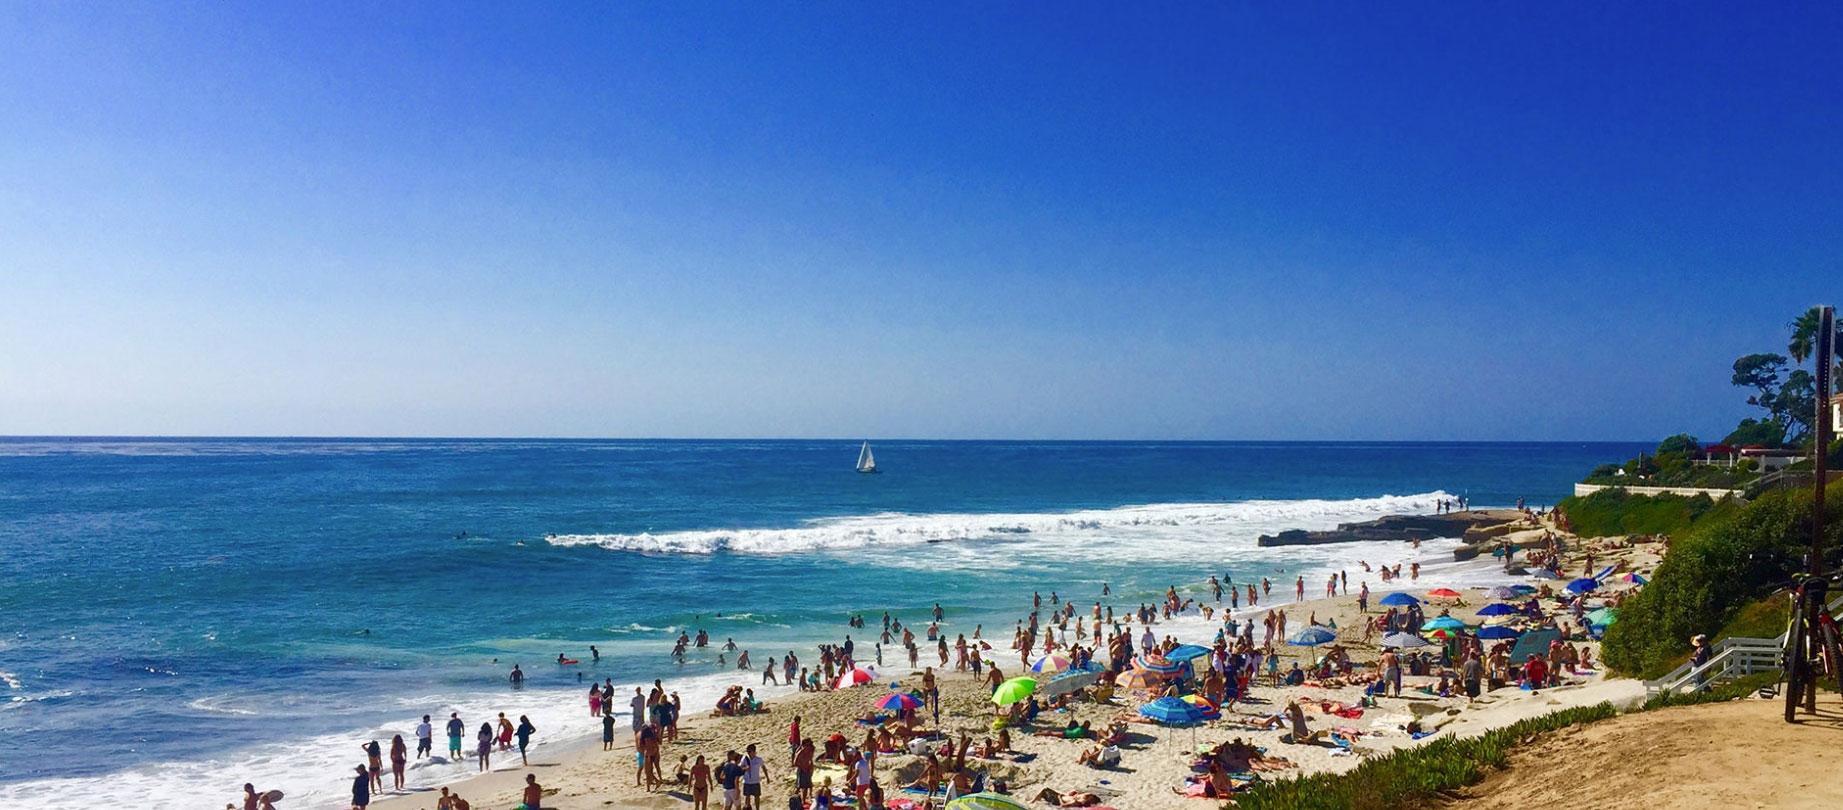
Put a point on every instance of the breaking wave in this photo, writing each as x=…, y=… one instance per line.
x=1241, y=519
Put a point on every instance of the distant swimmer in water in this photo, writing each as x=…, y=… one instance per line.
x=594, y=654
x=518, y=676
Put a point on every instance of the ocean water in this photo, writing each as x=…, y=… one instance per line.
x=178, y=617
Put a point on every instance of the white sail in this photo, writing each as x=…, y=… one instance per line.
x=866, y=461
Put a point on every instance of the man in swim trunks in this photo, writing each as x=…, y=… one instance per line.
x=534, y=792
x=456, y=728
x=425, y=743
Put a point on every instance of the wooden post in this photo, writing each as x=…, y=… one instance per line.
x=1820, y=430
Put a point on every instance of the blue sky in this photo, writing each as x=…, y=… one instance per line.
x=1419, y=221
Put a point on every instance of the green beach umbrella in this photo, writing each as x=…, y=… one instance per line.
x=1013, y=690
x=1604, y=616
x=986, y=801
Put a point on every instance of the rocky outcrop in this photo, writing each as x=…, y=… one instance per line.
x=1395, y=527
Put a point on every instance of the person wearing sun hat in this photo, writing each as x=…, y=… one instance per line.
x=1699, y=656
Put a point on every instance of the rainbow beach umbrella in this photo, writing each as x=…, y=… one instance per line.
x=1051, y=664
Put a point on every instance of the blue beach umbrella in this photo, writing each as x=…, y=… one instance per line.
x=1497, y=609
x=1583, y=585
x=1444, y=623
x=1185, y=652
x=1312, y=636
x=1498, y=632
x=1398, y=599
x=1173, y=711
x=1404, y=641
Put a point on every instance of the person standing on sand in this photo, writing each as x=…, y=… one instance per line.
x=729, y=777
x=485, y=746
x=638, y=706
x=608, y=731
x=375, y=756
x=700, y=784
x=1390, y=664
x=754, y=770
x=361, y=789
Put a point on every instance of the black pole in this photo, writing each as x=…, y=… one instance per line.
x=1826, y=350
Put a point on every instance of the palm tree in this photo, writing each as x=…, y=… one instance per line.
x=1804, y=340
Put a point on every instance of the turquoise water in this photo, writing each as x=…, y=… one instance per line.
x=182, y=616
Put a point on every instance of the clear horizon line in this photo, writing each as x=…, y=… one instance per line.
x=1167, y=440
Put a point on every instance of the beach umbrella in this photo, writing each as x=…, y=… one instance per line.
x=1443, y=634
x=898, y=701
x=1505, y=619
x=1635, y=579
x=1443, y=623
x=1051, y=663
x=1137, y=679
x=856, y=677
x=1185, y=652
x=1444, y=593
x=1153, y=662
x=1398, y=599
x=1498, y=632
x=1405, y=641
x=1583, y=585
x=1544, y=573
x=1312, y=636
x=1172, y=711
x=1200, y=702
x=1603, y=617
x=1500, y=593
x=1013, y=690
x=1497, y=609
x=985, y=801
x=1524, y=590
x=1069, y=681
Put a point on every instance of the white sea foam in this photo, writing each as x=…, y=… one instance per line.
x=898, y=529
x=316, y=772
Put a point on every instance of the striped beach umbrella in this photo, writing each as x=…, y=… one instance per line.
x=1634, y=579
x=1153, y=662
x=1137, y=679
x=856, y=677
x=1172, y=711
x=985, y=801
x=1050, y=664
x=899, y=701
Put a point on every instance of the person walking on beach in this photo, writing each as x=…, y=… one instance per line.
x=608, y=731
x=700, y=784
x=524, y=732
x=729, y=777
x=456, y=728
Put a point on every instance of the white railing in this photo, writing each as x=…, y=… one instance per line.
x=1731, y=658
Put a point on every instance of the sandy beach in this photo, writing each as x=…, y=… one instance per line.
x=1155, y=759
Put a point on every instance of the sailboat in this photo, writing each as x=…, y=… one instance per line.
x=867, y=463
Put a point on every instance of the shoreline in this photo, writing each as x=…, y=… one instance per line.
x=578, y=774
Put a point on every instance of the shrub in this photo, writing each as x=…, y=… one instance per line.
x=1615, y=511
x=1412, y=777
x=1739, y=687
x=1726, y=561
